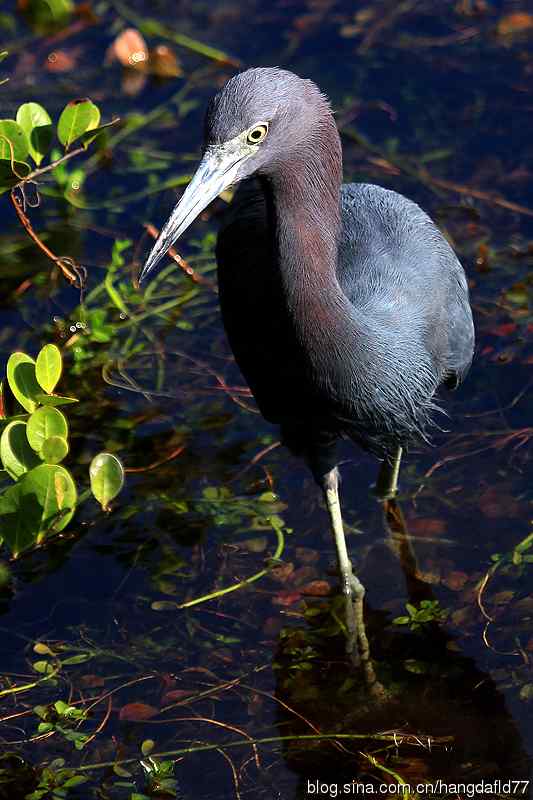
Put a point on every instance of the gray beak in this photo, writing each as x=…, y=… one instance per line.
x=217, y=171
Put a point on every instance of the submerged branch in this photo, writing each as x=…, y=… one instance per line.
x=221, y=592
x=393, y=738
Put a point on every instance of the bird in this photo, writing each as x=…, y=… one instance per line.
x=344, y=305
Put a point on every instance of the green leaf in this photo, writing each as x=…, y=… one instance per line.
x=12, y=173
x=15, y=451
x=22, y=380
x=43, y=499
x=14, y=145
x=107, y=478
x=61, y=707
x=44, y=727
x=401, y=620
x=36, y=123
x=43, y=667
x=81, y=658
x=48, y=367
x=42, y=649
x=44, y=423
x=78, y=117
x=76, y=780
x=54, y=449
x=54, y=399
x=89, y=137
x=147, y=746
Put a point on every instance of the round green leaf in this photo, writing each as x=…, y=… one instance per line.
x=54, y=449
x=36, y=123
x=44, y=423
x=53, y=490
x=33, y=506
x=22, y=380
x=147, y=746
x=15, y=451
x=78, y=117
x=14, y=145
x=48, y=367
x=107, y=478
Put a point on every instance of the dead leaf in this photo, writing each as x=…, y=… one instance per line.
x=316, y=589
x=303, y=575
x=519, y=22
x=174, y=695
x=136, y=712
x=130, y=49
x=91, y=681
x=286, y=598
x=417, y=526
x=62, y=61
x=163, y=62
x=282, y=572
x=455, y=581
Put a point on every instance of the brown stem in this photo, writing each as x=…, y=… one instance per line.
x=38, y=172
x=181, y=262
x=75, y=274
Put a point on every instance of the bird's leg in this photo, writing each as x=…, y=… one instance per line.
x=387, y=483
x=352, y=588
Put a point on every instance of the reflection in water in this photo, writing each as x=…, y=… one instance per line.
x=446, y=716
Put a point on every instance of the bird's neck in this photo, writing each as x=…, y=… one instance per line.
x=303, y=200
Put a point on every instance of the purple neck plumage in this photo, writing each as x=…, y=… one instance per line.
x=303, y=195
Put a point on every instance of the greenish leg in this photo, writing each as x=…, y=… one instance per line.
x=387, y=483
x=352, y=588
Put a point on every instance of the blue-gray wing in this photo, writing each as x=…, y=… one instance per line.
x=396, y=265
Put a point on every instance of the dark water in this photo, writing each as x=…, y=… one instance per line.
x=433, y=100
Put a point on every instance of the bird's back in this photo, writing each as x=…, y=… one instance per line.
x=407, y=290
x=394, y=264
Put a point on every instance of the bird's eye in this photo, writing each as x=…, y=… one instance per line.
x=256, y=134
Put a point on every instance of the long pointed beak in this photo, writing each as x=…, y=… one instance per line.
x=216, y=172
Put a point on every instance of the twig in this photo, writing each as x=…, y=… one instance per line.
x=233, y=772
x=174, y=454
x=382, y=23
x=38, y=172
x=421, y=174
x=479, y=194
x=73, y=272
x=409, y=739
x=246, y=581
x=181, y=262
x=103, y=722
x=210, y=721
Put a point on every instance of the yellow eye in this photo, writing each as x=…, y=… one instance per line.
x=256, y=134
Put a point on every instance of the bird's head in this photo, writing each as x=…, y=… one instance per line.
x=259, y=119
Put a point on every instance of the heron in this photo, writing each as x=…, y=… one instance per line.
x=345, y=306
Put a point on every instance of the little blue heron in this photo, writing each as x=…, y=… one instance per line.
x=344, y=305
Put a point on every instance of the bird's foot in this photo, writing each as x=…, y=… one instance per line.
x=356, y=640
x=357, y=646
